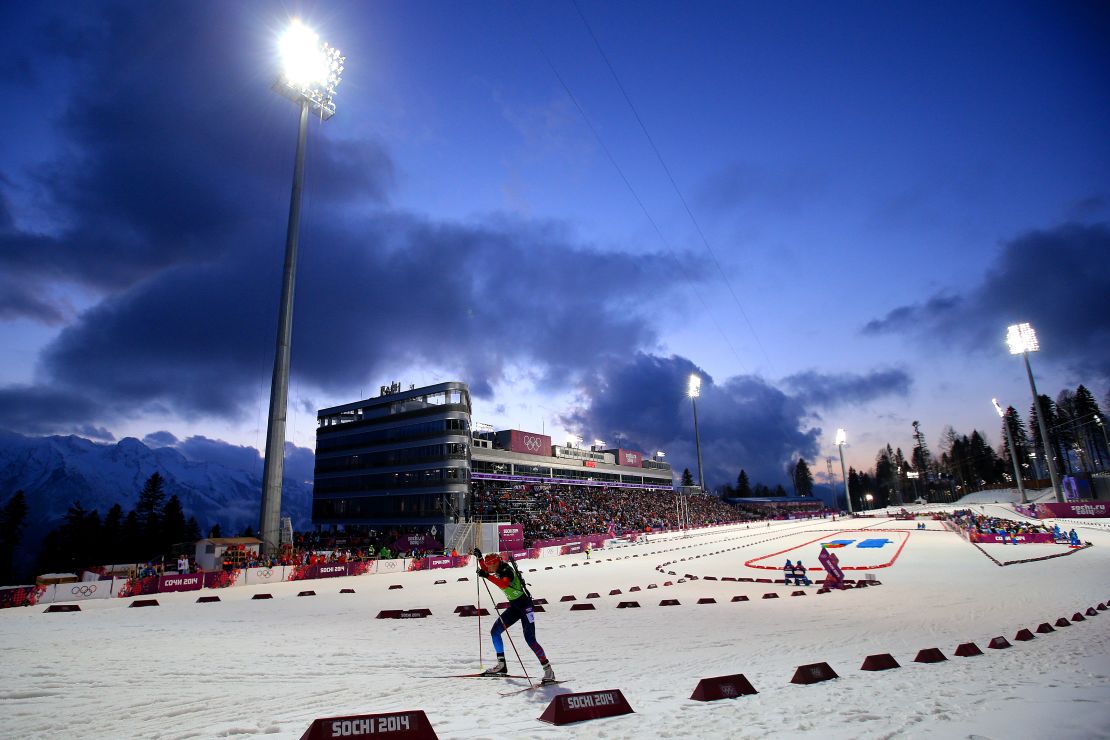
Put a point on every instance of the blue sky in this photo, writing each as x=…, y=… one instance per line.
x=831, y=212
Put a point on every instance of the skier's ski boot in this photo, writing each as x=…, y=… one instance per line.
x=548, y=674
x=498, y=670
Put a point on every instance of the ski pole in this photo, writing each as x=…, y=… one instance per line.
x=478, y=603
x=505, y=629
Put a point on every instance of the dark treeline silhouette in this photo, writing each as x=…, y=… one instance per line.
x=150, y=531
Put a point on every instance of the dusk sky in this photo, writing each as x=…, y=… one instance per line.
x=831, y=211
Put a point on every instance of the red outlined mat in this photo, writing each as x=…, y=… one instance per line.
x=852, y=533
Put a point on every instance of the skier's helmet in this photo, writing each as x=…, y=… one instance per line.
x=491, y=561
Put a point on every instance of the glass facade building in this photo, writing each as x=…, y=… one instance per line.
x=402, y=458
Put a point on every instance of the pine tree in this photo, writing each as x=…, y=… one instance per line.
x=687, y=479
x=192, y=530
x=743, y=486
x=215, y=533
x=803, y=479
x=1088, y=412
x=131, y=540
x=854, y=488
x=173, y=525
x=149, y=511
x=1021, y=439
x=780, y=492
x=113, y=535
x=12, y=517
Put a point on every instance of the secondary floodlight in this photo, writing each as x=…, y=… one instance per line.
x=693, y=390
x=1021, y=338
x=660, y=453
x=1013, y=452
x=599, y=443
x=310, y=70
x=841, y=440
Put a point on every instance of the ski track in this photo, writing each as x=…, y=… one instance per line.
x=243, y=668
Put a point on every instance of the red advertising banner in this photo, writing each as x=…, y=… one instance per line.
x=631, y=458
x=510, y=537
x=1038, y=537
x=529, y=443
x=1098, y=509
x=309, y=572
x=441, y=561
x=191, y=582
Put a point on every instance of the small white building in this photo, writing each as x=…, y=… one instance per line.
x=210, y=552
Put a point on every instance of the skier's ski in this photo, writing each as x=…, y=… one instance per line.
x=539, y=685
x=474, y=675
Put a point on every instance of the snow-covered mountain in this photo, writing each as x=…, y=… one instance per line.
x=215, y=481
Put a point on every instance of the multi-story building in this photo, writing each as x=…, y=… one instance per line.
x=402, y=458
x=408, y=457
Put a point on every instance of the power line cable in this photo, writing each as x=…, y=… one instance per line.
x=631, y=190
x=674, y=184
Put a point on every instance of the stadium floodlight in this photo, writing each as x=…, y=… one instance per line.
x=869, y=498
x=660, y=453
x=1013, y=452
x=693, y=390
x=1022, y=340
x=841, y=440
x=599, y=443
x=310, y=73
x=310, y=70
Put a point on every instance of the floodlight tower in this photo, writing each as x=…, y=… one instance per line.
x=1013, y=452
x=693, y=390
x=1022, y=340
x=841, y=440
x=310, y=73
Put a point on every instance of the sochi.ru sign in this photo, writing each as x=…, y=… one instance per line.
x=630, y=458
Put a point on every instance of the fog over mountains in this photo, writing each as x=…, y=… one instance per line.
x=216, y=482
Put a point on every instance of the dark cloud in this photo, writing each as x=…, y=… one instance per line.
x=401, y=291
x=160, y=439
x=44, y=410
x=1054, y=279
x=816, y=389
x=165, y=162
x=743, y=422
x=237, y=457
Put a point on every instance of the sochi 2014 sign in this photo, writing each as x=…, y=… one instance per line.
x=412, y=725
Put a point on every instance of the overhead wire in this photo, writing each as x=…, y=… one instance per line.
x=674, y=184
x=635, y=196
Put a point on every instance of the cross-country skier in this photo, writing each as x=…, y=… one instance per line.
x=507, y=578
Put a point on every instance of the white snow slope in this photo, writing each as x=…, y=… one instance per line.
x=269, y=667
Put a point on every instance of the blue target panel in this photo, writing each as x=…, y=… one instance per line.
x=874, y=543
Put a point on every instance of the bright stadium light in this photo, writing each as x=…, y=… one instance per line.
x=841, y=440
x=1022, y=340
x=660, y=454
x=310, y=73
x=693, y=390
x=599, y=443
x=310, y=70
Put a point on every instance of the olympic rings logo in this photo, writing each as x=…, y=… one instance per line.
x=532, y=443
x=83, y=590
x=264, y=572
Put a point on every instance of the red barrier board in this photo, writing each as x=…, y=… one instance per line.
x=567, y=708
x=412, y=725
x=722, y=687
x=813, y=673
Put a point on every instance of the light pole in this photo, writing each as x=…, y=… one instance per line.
x=1105, y=438
x=1022, y=340
x=1013, y=452
x=841, y=439
x=693, y=390
x=310, y=74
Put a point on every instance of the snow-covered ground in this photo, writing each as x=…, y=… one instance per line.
x=269, y=667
